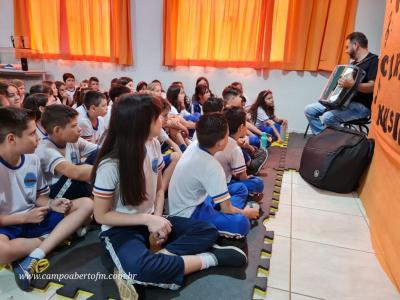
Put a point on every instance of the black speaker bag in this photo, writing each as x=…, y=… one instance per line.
x=335, y=159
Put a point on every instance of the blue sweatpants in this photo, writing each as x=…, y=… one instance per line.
x=254, y=184
x=230, y=224
x=269, y=130
x=129, y=250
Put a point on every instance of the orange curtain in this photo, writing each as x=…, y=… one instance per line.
x=96, y=30
x=220, y=33
x=283, y=34
x=380, y=190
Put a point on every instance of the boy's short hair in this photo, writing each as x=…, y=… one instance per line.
x=117, y=90
x=210, y=129
x=229, y=93
x=57, y=115
x=40, y=89
x=14, y=120
x=67, y=76
x=235, y=116
x=33, y=102
x=213, y=105
x=93, y=78
x=124, y=80
x=93, y=98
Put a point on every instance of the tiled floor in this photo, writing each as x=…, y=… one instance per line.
x=322, y=247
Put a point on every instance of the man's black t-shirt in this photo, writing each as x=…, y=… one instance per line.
x=370, y=65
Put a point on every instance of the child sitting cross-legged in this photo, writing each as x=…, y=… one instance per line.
x=31, y=224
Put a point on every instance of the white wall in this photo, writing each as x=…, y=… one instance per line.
x=292, y=90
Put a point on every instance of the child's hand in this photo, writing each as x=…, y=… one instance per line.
x=160, y=227
x=36, y=215
x=284, y=122
x=251, y=212
x=61, y=205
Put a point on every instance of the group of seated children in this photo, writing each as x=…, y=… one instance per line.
x=113, y=158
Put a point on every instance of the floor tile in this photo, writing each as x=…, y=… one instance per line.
x=330, y=272
x=311, y=197
x=287, y=177
x=286, y=194
x=362, y=209
x=275, y=294
x=331, y=228
x=297, y=179
x=281, y=222
x=301, y=297
x=279, y=273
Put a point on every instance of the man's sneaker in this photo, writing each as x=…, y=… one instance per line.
x=255, y=197
x=25, y=268
x=229, y=256
x=257, y=163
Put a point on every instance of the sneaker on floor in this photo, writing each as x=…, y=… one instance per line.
x=126, y=291
x=257, y=163
x=239, y=243
x=256, y=197
x=25, y=268
x=229, y=256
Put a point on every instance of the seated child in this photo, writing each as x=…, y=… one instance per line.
x=62, y=151
x=37, y=103
x=198, y=188
x=131, y=207
x=92, y=124
x=232, y=159
x=31, y=224
x=263, y=114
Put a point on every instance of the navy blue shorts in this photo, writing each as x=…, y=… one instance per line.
x=33, y=230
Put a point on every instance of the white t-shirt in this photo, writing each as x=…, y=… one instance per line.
x=197, y=175
x=52, y=155
x=21, y=185
x=70, y=93
x=231, y=159
x=107, y=181
x=90, y=133
x=261, y=116
x=174, y=111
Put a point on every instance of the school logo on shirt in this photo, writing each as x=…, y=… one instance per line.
x=154, y=165
x=74, y=158
x=30, y=180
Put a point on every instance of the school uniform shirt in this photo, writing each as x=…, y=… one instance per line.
x=51, y=155
x=231, y=159
x=107, y=181
x=89, y=132
x=261, y=116
x=107, y=117
x=197, y=175
x=174, y=111
x=70, y=93
x=41, y=133
x=81, y=111
x=21, y=185
x=163, y=136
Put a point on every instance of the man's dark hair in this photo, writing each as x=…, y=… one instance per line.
x=210, y=129
x=213, y=105
x=14, y=120
x=57, y=115
x=235, y=116
x=358, y=37
x=93, y=78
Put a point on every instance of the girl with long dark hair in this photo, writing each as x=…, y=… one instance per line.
x=129, y=203
x=263, y=114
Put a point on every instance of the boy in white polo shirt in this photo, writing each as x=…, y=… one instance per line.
x=92, y=123
x=232, y=159
x=198, y=186
x=62, y=152
x=26, y=213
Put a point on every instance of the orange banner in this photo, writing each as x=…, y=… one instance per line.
x=380, y=192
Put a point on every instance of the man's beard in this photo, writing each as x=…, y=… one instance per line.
x=352, y=54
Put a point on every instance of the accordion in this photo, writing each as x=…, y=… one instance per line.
x=335, y=96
